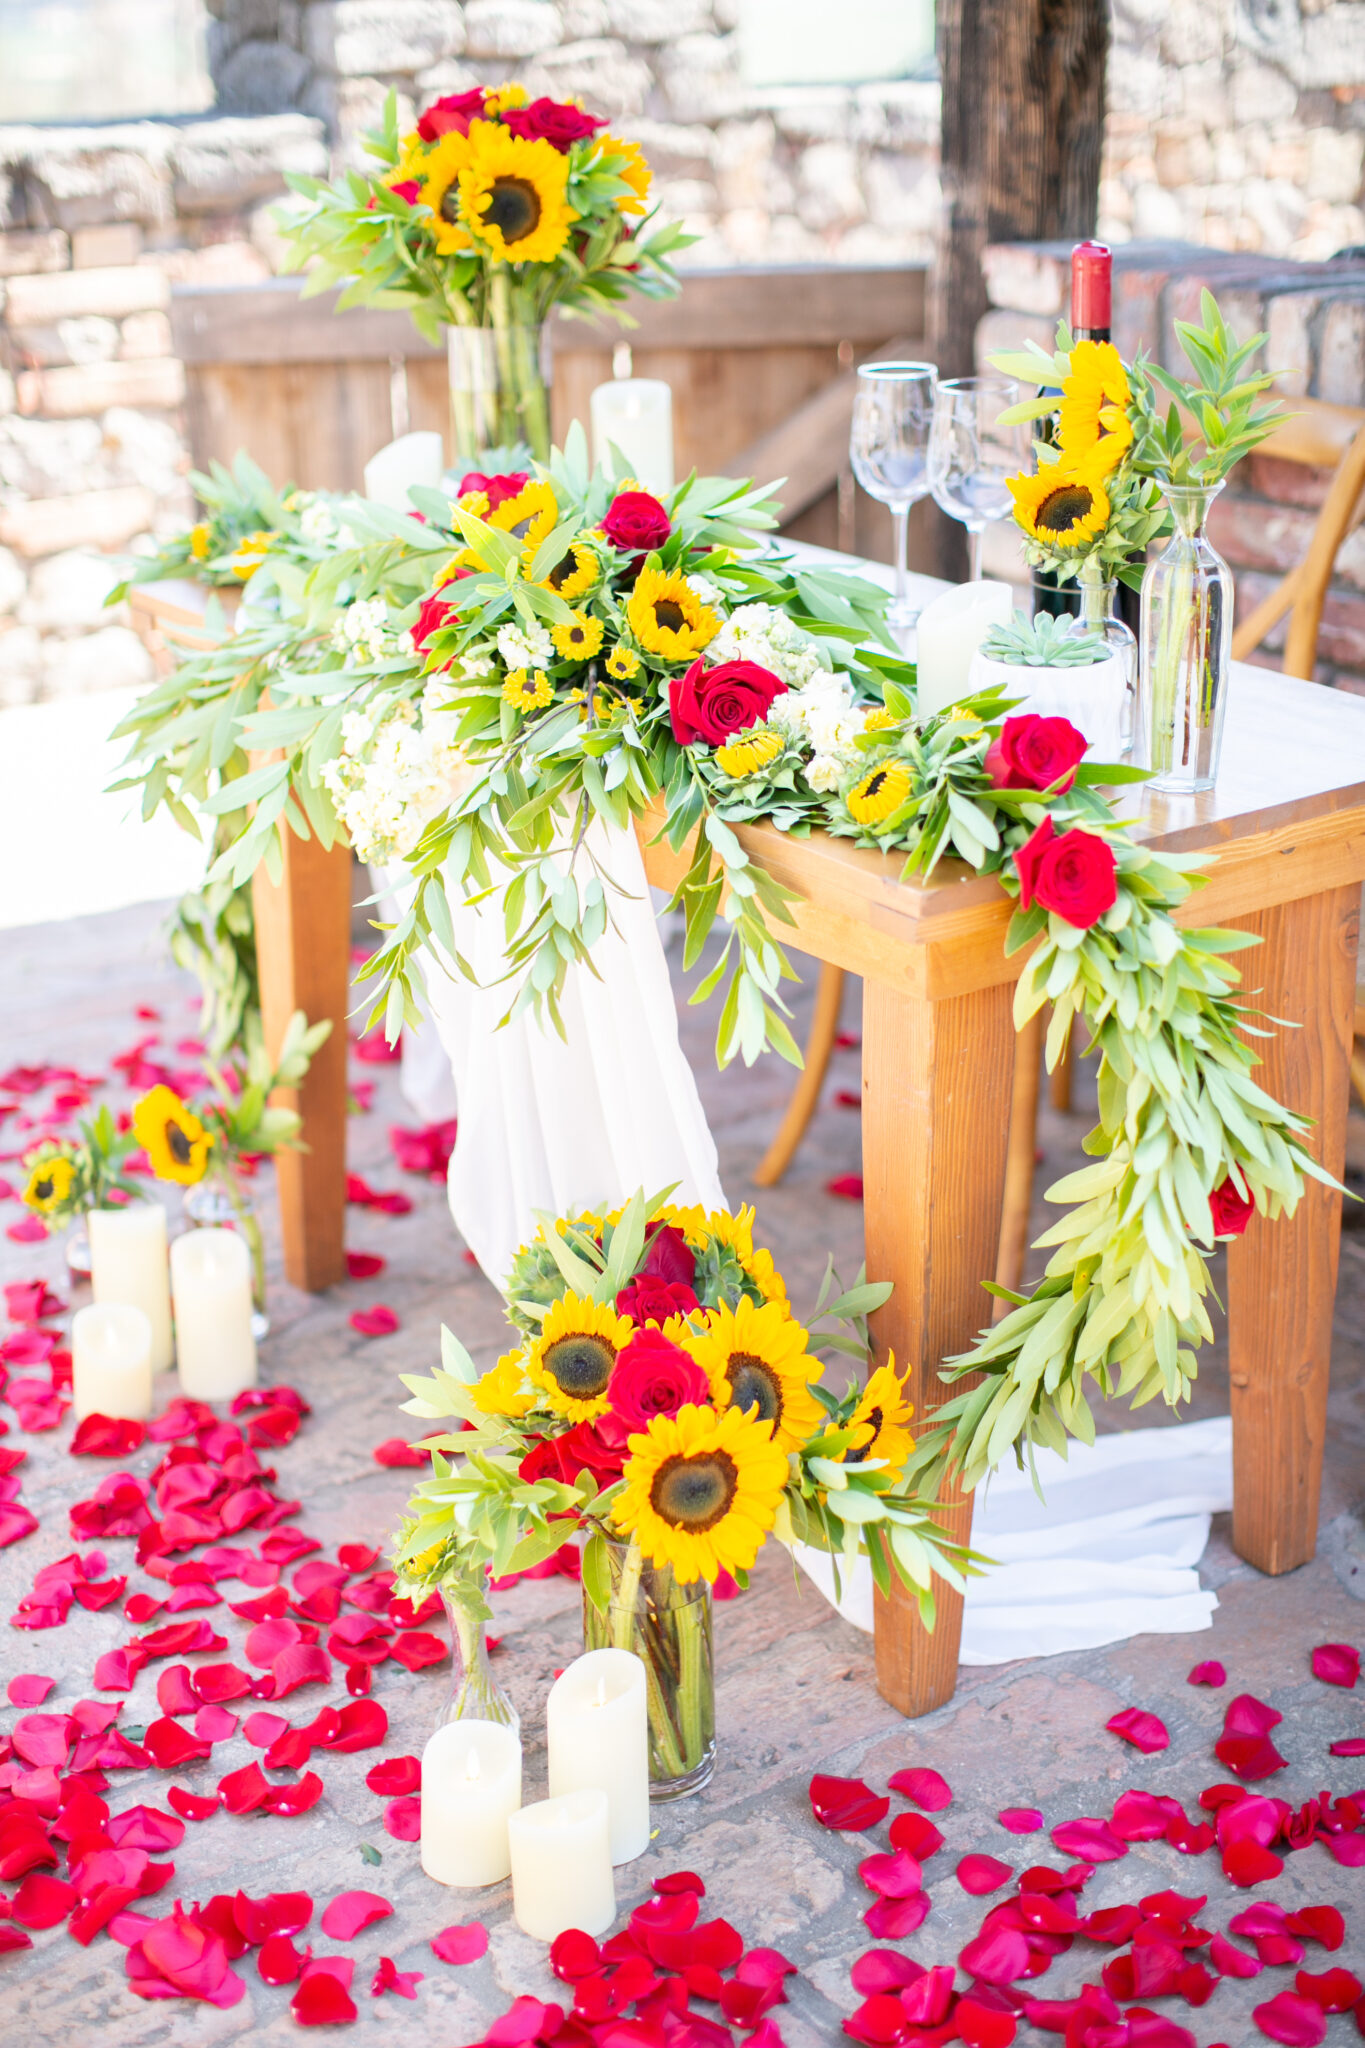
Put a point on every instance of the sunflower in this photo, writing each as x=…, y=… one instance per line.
x=1093, y=423
x=503, y=1390
x=172, y=1136
x=741, y=757
x=880, y=792
x=513, y=195
x=668, y=618
x=50, y=1184
x=623, y=664
x=530, y=517
x=634, y=172
x=504, y=99
x=249, y=553
x=702, y=1491
x=527, y=692
x=580, y=639
x=1063, y=507
x=439, y=175
x=572, y=575
x=878, y=720
x=199, y=541
x=756, y=1360
x=571, y=1360
x=880, y=1418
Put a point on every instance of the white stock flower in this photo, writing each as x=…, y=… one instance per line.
x=391, y=778
x=824, y=773
x=532, y=648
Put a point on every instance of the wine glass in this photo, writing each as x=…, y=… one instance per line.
x=971, y=453
x=888, y=446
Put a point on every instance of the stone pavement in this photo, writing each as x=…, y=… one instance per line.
x=796, y=1686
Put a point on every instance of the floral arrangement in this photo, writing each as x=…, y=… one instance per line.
x=244, y=517
x=67, y=1177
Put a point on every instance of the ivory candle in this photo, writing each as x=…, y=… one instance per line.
x=111, y=1361
x=636, y=415
x=950, y=630
x=598, y=1730
x=561, y=1865
x=128, y=1267
x=211, y=1283
x=471, y=1789
x=411, y=459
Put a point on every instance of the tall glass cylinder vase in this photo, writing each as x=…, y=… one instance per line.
x=499, y=394
x=475, y=1694
x=1186, y=651
x=220, y=1202
x=668, y=1626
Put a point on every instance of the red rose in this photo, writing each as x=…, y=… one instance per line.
x=452, y=115
x=551, y=121
x=497, y=488
x=435, y=613
x=1231, y=1211
x=598, y=1447
x=1075, y=875
x=710, y=704
x=653, y=1377
x=651, y=1300
x=1035, y=753
x=637, y=523
x=668, y=1256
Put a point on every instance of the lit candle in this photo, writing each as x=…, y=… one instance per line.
x=128, y=1267
x=211, y=1283
x=950, y=630
x=561, y=1865
x=598, y=1729
x=636, y=415
x=471, y=1789
x=111, y=1361
x=411, y=459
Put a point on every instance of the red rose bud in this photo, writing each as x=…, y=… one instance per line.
x=651, y=1300
x=451, y=115
x=551, y=121
x=1035, y=753
x=1232, y=1211
x=497, y=489
x=1074, y=875
x=597, y=1447
x=710, y=704
x=653, y=1377
x=435, y=613
x=637, y=523
x=669, y=1256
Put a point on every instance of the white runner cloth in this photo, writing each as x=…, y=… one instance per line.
x=1108, y=1553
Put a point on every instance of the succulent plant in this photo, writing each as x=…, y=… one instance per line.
x=1045, y=641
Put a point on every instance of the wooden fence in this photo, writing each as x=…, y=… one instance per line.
x=760, y=363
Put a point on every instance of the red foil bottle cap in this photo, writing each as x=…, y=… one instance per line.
x=1092, y=271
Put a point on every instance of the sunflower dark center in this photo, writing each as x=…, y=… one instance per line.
x=513, y=207
x=874, y=783
x=695, y=1493
x=669, y=615
x=561, y=572
x=580, y=1366
x=1061, y=509
x=754, y=1384
x=523, y=527
x=43, y=1190
x=876, y=1417
x=449, y=208
x=178, y=1145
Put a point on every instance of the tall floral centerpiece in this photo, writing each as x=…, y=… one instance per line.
x=661, y=1397
x=491, y=211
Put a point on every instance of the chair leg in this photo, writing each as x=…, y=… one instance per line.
x=1059, y=1080
x=829, y=996
x=1014, y=1210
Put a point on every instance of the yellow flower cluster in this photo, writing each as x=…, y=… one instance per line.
x=1066, y=505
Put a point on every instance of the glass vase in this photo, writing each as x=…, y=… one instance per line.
x=1099, y=613
x=475, y=1694
x=221, y=1203
x=1186, y=651
x=668, y=1626
x=78, y=1250
x=499, y=396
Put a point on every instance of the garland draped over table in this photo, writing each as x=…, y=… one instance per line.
x=577, y=648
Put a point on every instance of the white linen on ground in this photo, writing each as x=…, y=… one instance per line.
x=1109, y=1552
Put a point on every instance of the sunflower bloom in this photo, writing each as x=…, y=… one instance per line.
x=623, y=664
x=756, y=1360
x=50, y=1184
x=633, y=171
x=1093, y=423
x=530, y=517
x=249, y=553
x=503, y=1390
x=199, y=541
x=439, y=176
x=580, y=639
x=172, y=1136
x=880, y=1418
x=572, y=575
x=668, y=618
x=702, y=1491
x=504, y=99
x=879, y=720
x=880, y=792
x=571, y=1361
x=746, y=756
x=1061, y=507
x=527, y=692
x=513, y=195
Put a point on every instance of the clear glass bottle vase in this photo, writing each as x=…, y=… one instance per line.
x=475, y=1694
x=1186, y=650
x=499, y=395
x=219, y=1203
x=668, y=1626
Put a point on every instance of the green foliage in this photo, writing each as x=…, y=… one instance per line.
x=1044, y=641
x=1220, y=403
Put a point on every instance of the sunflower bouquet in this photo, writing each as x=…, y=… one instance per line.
x=68, y=1177
x=662, y=1397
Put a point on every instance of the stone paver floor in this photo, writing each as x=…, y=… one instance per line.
x=796, y=1689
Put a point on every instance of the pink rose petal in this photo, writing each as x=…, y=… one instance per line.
x=897, y=1876
x=1336, y=1663
x=1208, y=1673
x=464, y=1944
x=29, y=1689
x=893, y=1919
x=883, y=1969
x=981, y=1874
x=1293, y=2019
x=322, y=2000
x=388, y=1977
x=379, y=1321
x=1145, y=1731
x=999, y=1955
x=1091, y=1838
x=403, y=1820
x=349, y=1912
x=846, y=1803
x=1021, y=1820
x=924, y=1787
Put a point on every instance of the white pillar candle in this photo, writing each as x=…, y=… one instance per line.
x=950, y=630
x=636, y=414
x=211, y=1283
x=411, y=459
x=561, y=1865
x=598, y=1729
x=471, y=1789
x=111, y=1361
x=128, y=1267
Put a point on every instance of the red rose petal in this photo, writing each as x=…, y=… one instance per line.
x=879, y=2022
x=925, y=1787
x=1089, y=1837
x=349, y=1912
x=465, y=1944
x=573, y=1954
x=1323, y=1924
x=29, y=1689
x=883, y=1969
x=1208, y=1673
x=999, y=1955
x=927, y=2000
x=1231, y=1961
x=395, y=1775
x=1021, y=1820
x=403, y=1820
x=105, y=1436
x=276, y=1913
x=913, y=1831
x=1334, y=1990
x=388, y=1977
x=418, y=1650
x=1349, y=1850
x=897, y=1876
x=363, y=1724
x=679, y=1881
x=1354, y=1745
x=41, y=1901
x=190, y=1804
x=1290, y=2018
x=983, y=2024
x=279, y=1962
x=244, y=1790
x=146, y=1827
x=846, y=1802
x=364, y=1265
x=1336, y=1663
x=396, y=1452
x=322, y=2000
x=289, y=1800
x=893, y=1919
x=169, y=1745
x=981, y=1874
x=1145, y=1731
x=300, y=1664
x=378, y=1321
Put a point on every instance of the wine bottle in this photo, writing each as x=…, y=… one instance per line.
x=1092, y=292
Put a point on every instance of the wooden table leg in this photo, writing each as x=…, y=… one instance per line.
x=303, y=950
x=1282, y=1276
x=936, y=1079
